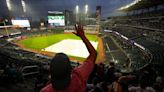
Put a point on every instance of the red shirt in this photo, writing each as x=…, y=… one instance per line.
x=79, y=77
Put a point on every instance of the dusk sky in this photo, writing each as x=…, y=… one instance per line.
x=38, y=8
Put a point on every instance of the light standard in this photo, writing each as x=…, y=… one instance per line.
x=23, y=5
x=86, y=13
x=8, y=3
x=86, y=9
x=77, y=13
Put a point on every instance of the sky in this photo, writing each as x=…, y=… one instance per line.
x=38, y=8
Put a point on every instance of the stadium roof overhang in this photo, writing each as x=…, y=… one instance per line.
x=140, y=4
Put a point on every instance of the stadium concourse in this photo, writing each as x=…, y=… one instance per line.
x=131, y=56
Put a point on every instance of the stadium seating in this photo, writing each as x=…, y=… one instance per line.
x=145, y=29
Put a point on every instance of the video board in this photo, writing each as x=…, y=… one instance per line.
x=58, y=20
x=21, y=23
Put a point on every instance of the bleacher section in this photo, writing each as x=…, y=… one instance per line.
x=146, y=29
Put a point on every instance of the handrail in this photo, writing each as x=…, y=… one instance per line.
x=30, y=72
x=151, y=58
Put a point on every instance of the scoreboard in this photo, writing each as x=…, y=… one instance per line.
x=56, y=18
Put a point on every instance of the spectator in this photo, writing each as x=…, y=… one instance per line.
x=142, y=87
x=66, y=79
x=43, y=78
x=100, y=72
x=110, y=75
x=97, y=87
x=12, y=74
x=158, y=85
x=93, y=85
x=121, y=85
x=92, y=75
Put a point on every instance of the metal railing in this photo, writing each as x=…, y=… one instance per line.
x=30, y=70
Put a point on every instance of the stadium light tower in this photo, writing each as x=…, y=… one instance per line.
x=86, y=9
x=77, y=13
x=77, y=9
x=23, y=5
x=86, y=13
x=8, y=3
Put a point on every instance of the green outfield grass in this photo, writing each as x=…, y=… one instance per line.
x=38, y=43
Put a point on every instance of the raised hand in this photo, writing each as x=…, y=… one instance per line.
x=79, y=30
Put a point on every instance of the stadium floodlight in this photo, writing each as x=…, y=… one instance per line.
x=86, y=9
x=8, y=3
x=23, y=5
x=77, y=9
x=77, y=13
x=116, y=61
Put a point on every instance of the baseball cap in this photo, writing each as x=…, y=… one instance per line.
x=60, y=70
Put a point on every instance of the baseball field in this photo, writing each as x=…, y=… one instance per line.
x=69, y=44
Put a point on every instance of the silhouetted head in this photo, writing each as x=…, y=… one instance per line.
x=60, y=70
x=111, y=64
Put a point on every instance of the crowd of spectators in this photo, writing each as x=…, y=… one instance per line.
x=107, y=78
x=104, y=78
